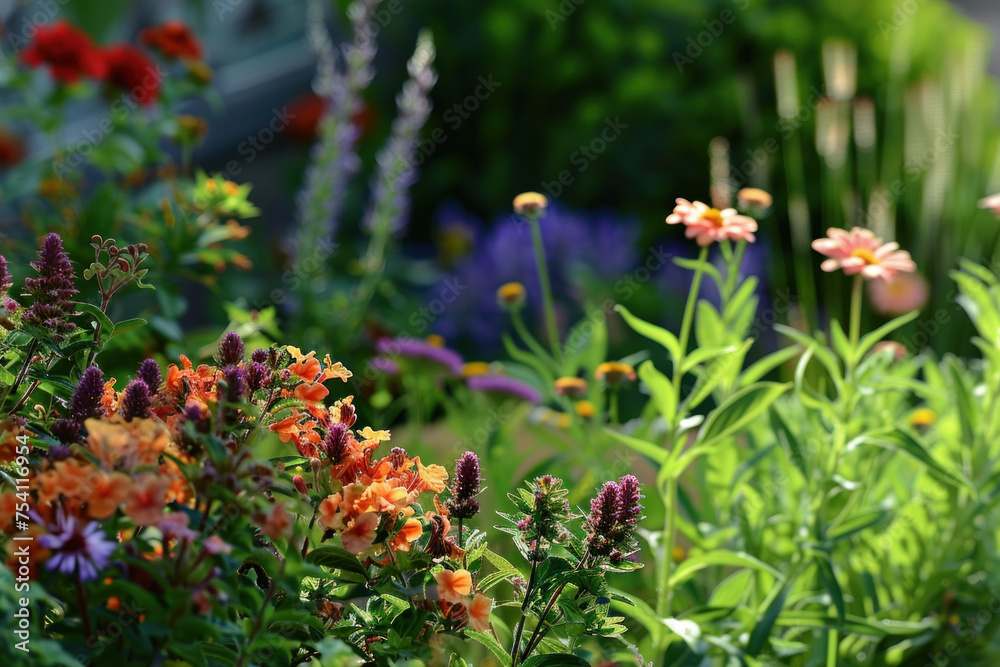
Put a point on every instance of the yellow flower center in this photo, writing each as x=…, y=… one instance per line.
x=714, y=216
x=865, y=254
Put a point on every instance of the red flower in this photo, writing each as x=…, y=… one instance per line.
x=173, y=39
x=67, y=51
x=132, y=71
x=11, y=150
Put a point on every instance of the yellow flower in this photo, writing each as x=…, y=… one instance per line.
x=473, y=368
x=571, y=386
x=614, y=372
x=754, y=198
x=923, y=418
x=530, y=203
x=585, y=409
x=511, y=295
x=436, y=340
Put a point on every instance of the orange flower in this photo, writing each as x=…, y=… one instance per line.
x=8, y=508
x=384, y=497
x=147, y=499
x=109, y=491
x=410, y=532
x=432, y=477
x=277, y=523
x=479, y=612
x=360, y=535
x=307, y=368
x=335, y=370
x=311, y=392
x=454, y=586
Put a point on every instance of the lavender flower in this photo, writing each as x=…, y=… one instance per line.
x=77, y=548
x=419, y=349
x=6, y=280
x=384, y=365
x=614, y=514
x=500, y=384
x=335, y=443
x=259, y=356
x=465, y=487
x=231, y=349
x=52, y=290
x=258, y=375
x=149, y=372
x=86, y=402
x=136, y=400
x=397, y=171
x=235, y=379
x=334, y=160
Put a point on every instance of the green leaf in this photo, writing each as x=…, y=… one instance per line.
x=841, y=345
x=739, y=410
x=128, y=325
x=723, y=557
x=709, y=329
x=829, y=578
x=336, y=558
x=647, y=449
x=857, y=523
x=661, y=390
x=760, y=368
x=492, y=644
x=724, y=367
x=107, y=327
x=869, y=340
x=904, y=442
x=652, y=332
x=762, y=631
x=788, y=441
x=457, y=661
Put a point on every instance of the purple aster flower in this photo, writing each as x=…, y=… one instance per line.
x=77, y=548
x=419, y=349
x=136, y=400
x=465, y=487
x=501, y=384
x=231, y=349
x=384, y=365
x=149, y=372
x=53, y=290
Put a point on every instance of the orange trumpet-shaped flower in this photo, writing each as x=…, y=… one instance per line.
x=479, y=608
x=453, y=586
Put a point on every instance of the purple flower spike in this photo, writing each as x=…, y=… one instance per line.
x=231, y=349
x=77, y=549
x=419, y=349
x=465, y=487
x=53, y=290
x=86, y=401
x=499, y=384
x=136, y=400
x=335, y=443
x=6, y=280
x=236, y=383
x=149, y=372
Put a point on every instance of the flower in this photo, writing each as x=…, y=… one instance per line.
x=754, y=198
x=232, y=349
x=131, y=71
x=474, y=368
x=173, y=39
x=707, y=225
x=360, y=533
x=53, y=289
x=923, y=417
x=860, y=251
x=900, y=294
x=419, y=349
x=149, y=372
x=77, y=548
x=12, y=150
x=614, y=514
x=500, y=384
x=136, y=400
x=573, y=387
x=465, y=487
x=107, y=494
x=453, y=586
x=147, y=499
x=479, y=608
x=991, y=203
x=530, y=203
x=277, y=523
x=614, y=372
x=67, y=51
x=511, y=295
x=585, y=409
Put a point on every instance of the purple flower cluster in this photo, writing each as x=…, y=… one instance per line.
x=231, y=349
x=53, y=289
x=614, y=514
x=420, y=349
x=335, y=443
x=584, y=252
x=86, y=403
x=136, y=400
x=7, y=304
x=149, y=372
x=501, y=384
x=465, y=486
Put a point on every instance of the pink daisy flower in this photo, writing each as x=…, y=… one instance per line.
x=991, y=203
x=860, y=251
x=707, y=225
x=900, y=295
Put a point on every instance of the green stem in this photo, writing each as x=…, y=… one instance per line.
x=688, y=319
x=856, y=310
x=543, y=280
x=664, y=594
